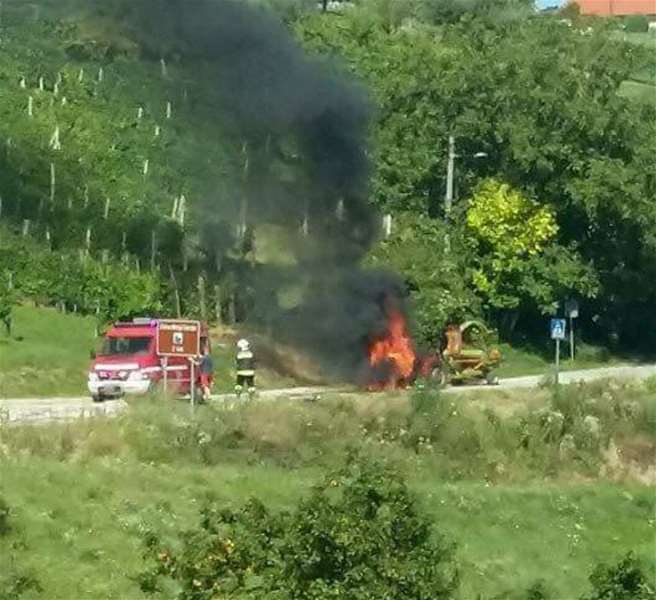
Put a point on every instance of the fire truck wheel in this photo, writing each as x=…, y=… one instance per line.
x=97, y=398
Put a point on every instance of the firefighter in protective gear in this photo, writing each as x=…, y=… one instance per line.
x=245, y=369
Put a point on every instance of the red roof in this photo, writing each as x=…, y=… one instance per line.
x=620, y=8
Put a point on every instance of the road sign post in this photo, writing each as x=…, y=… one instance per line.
x=165, y=369
x=572, y=311
x=192, y=390
x=558, y=329
x=179, y=338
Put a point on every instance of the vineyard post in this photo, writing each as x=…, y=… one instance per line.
x=53, y=183
x=176, y=292
x=153, y=249
x=339, y=211
x=201, y=297
x=217, y=304
x=232, y=312
x=26, y=227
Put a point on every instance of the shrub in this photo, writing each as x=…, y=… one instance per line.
x=623, y=581
x=360, y=535
x=15, y=584
x=5, y=526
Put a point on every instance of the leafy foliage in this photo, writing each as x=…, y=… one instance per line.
x=513, y=238
x=433, y=274
x=624, y=581
x=542, y=101
x=5, y=512
x=360, y=534
x=110, y=290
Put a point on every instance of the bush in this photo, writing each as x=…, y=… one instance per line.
x=5, y=526
x=360, y=535
x=17, y=583
x=623, y=581
x=636, y=24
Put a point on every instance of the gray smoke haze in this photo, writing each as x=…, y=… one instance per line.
x=301, y=118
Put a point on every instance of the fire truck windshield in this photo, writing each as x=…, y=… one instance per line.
x=126, y=345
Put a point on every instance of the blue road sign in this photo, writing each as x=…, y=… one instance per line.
x=558, y=327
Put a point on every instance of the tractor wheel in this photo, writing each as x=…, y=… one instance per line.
x=491, y=379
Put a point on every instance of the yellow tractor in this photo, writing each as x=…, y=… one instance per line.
x=468, y=354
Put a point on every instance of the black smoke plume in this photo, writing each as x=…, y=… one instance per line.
x=303, y=128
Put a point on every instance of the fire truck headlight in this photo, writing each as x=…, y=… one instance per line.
x=138, y=376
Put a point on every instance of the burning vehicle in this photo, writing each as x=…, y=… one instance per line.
x=395, y=363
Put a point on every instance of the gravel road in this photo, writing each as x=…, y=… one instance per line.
x=43, y=410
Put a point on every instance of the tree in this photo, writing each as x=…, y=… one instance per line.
x=433, y=275
x=544, y=103
x=516, y=260
x=7, y=302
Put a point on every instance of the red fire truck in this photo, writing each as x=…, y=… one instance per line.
x=131, y=361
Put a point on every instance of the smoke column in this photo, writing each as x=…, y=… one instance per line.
x=300, y=117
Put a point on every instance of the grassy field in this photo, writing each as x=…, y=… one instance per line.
x=642, y=84
x=523, y=361
x=86, y=542
x=83, y=496
x=47, y=354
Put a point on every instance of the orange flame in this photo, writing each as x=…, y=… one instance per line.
x=392, y=357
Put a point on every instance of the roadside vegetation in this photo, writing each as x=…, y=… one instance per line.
x=502, y=476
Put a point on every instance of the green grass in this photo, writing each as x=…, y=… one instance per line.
x=640, y=39
x=636, y=90
x=519, y=361
x=48, y=353
x=80, y=526
x=84, y=495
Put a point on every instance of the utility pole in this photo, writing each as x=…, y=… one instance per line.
x=450, y=176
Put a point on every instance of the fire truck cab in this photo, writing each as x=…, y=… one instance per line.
x=128, y=363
